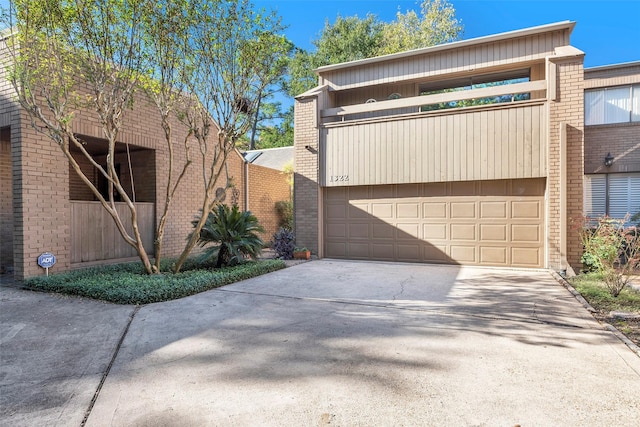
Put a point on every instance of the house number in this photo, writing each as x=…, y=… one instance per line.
x=339, y=178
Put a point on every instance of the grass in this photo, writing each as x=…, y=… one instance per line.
x=592, y=288
x=128, y=284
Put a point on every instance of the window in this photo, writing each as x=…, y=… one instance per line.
x=612, y=105
x=623, y=191
x=476, y=82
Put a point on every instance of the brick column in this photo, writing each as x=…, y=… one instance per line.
x=306, y=189
x=567, y=108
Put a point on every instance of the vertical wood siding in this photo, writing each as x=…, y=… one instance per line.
x=498, y=54
x=94, y=235
x=490, y=143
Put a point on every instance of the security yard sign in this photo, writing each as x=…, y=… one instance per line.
x=46, y=260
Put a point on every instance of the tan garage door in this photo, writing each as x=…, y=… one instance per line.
x=498, y=223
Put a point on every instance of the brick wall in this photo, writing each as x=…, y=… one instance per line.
x=42, y=182
x=622, y=140
x=6, y=203
x=306, y=174
x=266, y=187
x=568, y=108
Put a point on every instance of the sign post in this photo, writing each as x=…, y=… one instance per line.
x=46, y=260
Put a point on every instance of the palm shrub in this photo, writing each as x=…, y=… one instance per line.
x=232, y=235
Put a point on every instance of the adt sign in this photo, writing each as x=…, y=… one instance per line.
x=46, y=260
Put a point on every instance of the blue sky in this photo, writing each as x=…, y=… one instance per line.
x=608, y=31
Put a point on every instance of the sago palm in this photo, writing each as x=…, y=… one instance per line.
x=232, y=233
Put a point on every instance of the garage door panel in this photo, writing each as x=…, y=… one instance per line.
x=408, y=210
x=493, y=232
x=490, y=255
x=493, y=210
x=526, y=209
x=463, y=232
x=410, y=253
x=434, y=231
x=526, y=257
x=382, y=210
x=434, y=210
x=383, y=231
x=337, y=231
x=408, y=231
x=463, y=210
x=336, y=212
x=531, y=233
x=383, y=251
x=359, y=211
x=359, y=231
x=484, y=223
x=359, y=250
x=464, y=254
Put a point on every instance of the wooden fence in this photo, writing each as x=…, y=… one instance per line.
x=95, y=237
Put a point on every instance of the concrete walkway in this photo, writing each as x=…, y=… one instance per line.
x=323, y=343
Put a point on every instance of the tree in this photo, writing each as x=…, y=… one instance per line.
x=353, y=38
x=230, y=54
x=437, y=24
x=66, y=58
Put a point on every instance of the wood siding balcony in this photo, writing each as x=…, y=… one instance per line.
x=499, y=141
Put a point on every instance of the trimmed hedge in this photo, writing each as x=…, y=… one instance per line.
x=127, y=283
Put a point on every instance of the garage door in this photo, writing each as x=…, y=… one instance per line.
x=496, y=223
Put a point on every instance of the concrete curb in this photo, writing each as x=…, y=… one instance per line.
x=622, y=337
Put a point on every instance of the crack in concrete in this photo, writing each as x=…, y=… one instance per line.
x=111, y=362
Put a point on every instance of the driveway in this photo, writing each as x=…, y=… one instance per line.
x=347, y=343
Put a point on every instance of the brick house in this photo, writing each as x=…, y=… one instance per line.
x=45, y=207
x=470, y=152
x=612, y=140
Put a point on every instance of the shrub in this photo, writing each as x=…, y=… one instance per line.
x=128, y=283
x=610, y=249
x=233, y=234
x=284, y=209
x=283, y=243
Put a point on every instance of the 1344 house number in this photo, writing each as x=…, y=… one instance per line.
x=339, y=178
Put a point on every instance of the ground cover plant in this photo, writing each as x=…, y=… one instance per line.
x=129, y=284
x=593, y=288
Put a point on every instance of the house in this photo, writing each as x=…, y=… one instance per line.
x=612, y=140
x=45, y=207
x=471, y=152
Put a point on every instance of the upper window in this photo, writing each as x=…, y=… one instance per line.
x=612, y=105
x=476, y=82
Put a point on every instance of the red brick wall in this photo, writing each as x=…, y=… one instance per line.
x=266, y=187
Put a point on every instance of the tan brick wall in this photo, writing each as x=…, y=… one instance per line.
x=41, y=181
x=306, y=174
x=568, y=108
x=6, y=201
x=266, y=187
x=622, y=140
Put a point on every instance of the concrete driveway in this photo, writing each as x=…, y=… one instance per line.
x=332, y=343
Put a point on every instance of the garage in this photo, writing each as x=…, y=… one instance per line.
x=492, y=223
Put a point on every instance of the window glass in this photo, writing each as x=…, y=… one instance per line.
x=595, y=195
x=624, y=195
x=635, y=107
x=617, y=105
x=594, y=107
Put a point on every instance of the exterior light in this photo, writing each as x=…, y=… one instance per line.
x=608, y=161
